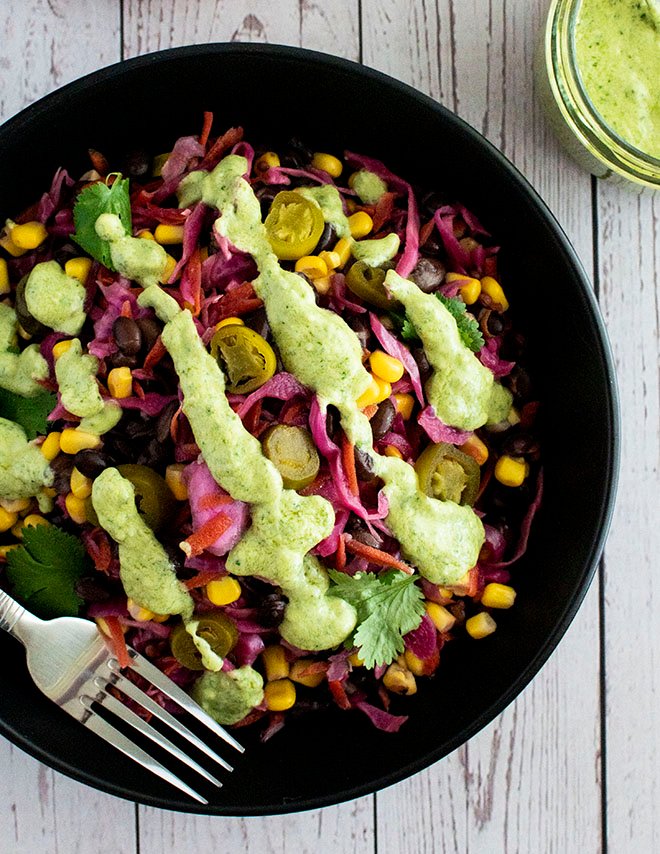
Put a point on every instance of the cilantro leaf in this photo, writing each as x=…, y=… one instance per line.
x=95, y=200
x=44, y=569
x=388, y=606
x=403, y=326
x=468, y=327
x=30, y=412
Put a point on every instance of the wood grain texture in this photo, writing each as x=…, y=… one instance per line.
x=530, y=781
x=629, y=271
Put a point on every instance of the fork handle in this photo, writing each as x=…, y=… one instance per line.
x=10, y=614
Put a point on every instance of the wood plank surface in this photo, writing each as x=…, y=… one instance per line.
x=532, y=781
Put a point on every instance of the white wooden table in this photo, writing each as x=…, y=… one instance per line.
x=574, y=764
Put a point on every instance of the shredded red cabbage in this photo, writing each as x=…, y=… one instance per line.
x=282, y=386
x=437, y=431
x=381, y=719
x=422, y=641
x=202, y=489
x=489, y=358
x=395, y=348
x=186, y=152
x=525, y=527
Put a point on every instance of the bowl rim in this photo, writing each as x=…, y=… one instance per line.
x=293, y=54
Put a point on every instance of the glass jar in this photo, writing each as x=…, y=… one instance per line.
x=575, y=119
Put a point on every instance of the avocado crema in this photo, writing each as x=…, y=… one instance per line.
x=442, y=539
x=24, y=470
x=19, y=372
x=55, y=299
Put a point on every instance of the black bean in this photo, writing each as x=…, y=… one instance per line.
x=382, y=420
x=150, y=330
x=495, y=324
x=361, y=328
x=513, y=346
x=164, y=421
x=123, y=360
x=432, y=201
x=433, y=246
x=90, y=590
x=91, y=463
x=327, y=239
x=272, y=609
x=136, y=163
x=127, y=334
x=457, y=609
x=520, y=445
x=364, y=466
x=259, y=322
x=428, y=274
x=423, y=363
x=62, y=466
x=358, y=530
x=520, y=384
x=332, y=420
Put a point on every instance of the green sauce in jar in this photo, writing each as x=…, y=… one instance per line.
x=617, y=47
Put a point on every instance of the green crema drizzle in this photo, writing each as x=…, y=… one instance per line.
x=440, y=538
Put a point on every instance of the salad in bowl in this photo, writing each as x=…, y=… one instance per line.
x=265, y=417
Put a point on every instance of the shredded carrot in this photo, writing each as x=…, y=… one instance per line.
x=377, y=556
x=154, y=355
x=251, y=420
x=425, y=231
x=210, y=502
x=118, y=641
x=340, y=556
x=370, y=410
x=193, y=281
x=223, y=143
x=348, y=462
x=98, y=548
x=174, y=424
x=201, y=579
x=126, y=309
x=339, y=695
x=206, y=128
x=138, y=390
x=205, y=536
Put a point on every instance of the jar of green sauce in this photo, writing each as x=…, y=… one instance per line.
x=598, y=75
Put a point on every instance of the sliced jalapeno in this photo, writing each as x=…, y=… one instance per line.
x=293, y=453
x=248, y=359
x=447, y=473
x=294, y=225
x=367, y=283
x=216, y=629
x=153, y=497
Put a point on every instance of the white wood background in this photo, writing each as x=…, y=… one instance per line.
x=573, y=766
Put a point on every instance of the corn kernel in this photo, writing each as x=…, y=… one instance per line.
x=498, y=595
x=268, y=160
x=145, y=234
x=465, y=586
x=360, y=224
x=492, y=288
x=139, y=613
x=4, y=550
x=279, y=695
x=223, y=591
x=230, y=321
x=7, y=520
x=60, y=348
x=170, y=264
x=25, y=335
x=34, y=520
x=354, y=660
x=421, y=666
x=275, y=663
x=78, y=268
x=323, y=284
x=511, y=471
x=327, y=163
x=50, y=447
x=392, y=451
x=75, y=507
x=377, y=391
x=469, y=290
x=120, y=382
x=15, y=505
x=174, y=479
x=332, y=259
x=168, y=235
x=343, y=249
x=17, y=529
x=404, y=405
x=73, y=440
x=29, y=235
x=6, y=240
x=81, y=486
x=312, y=266
x=158, y=162
x=399, y=679
x=309, y=680
x=5, y=287
x=442, y=619
x=476, y=449
x=480, y=626
x=385, y=367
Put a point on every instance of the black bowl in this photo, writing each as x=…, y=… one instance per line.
x=274, y=93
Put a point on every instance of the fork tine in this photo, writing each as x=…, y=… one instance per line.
x=164, y=684
x=131, y=690
x=107, y=732
x=114, y=705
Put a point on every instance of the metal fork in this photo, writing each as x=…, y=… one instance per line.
x=70, y=663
